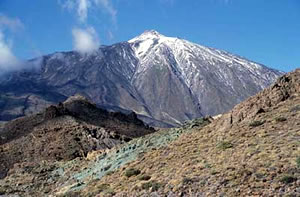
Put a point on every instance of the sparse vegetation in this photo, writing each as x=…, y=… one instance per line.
x=224, y=145
x=259, y=175
x=287, y=179
x=109, y=191
x=102, y=187
x=186, y=181
x=295, y=109
x=70, y=194
x=200, y=122
x=213, y=172
x=207, y=165
x=280, y=119
x=151, y=184
x=144, y=177
x=2, y=191
x=110, y=173
x=132, y=172
x=256, y=123
x=298, y=162
x=227, y=157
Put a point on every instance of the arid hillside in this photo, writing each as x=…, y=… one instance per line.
x=64, y=132
x=253, y=150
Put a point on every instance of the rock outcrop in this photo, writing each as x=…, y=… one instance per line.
x=65, y=131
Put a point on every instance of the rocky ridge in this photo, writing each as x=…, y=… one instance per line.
x=66, y=131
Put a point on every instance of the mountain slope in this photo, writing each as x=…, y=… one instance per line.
x=216, y=80
x=66, y=131
x=164, y=80
x=256, y=155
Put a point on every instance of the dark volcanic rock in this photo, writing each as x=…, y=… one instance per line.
x=65, y=131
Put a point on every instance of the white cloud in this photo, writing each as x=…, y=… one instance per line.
x=110, y=35
x=83, y=6
x=82, y=10
x=85, y=40
x=13, y=24
x=66, y=4
x=8, y=61
x=107, y=5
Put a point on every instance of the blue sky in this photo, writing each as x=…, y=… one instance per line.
x=265, y=31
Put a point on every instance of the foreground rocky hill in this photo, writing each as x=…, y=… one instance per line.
x=149, y=74
x=253, y=150
x=66, y=131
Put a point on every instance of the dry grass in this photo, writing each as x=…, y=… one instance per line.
x=240, y=161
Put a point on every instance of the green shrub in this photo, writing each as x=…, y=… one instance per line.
x=207, y=165
x=202, y=183
x=295, y=109
x=70, y=194
x=256, y=123
x=213, y=172
x=224, y=145
x=102, y=187
x=186, y=181
x=2, y=191
x=144, y=177
x=298, y=162
x=288, y=179
x=109, y=191
x=132, y=172
x=280, y=119
x=151, y=184
x=110, y=173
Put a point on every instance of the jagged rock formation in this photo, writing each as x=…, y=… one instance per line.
x=65, y=131
x=286, y=87
x=164, y=80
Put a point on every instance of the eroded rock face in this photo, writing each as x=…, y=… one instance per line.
x=66, y=131
x=286, y=87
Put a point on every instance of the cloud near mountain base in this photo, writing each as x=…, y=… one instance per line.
x=8, y=61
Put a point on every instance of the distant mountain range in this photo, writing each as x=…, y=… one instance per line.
x=165, y=80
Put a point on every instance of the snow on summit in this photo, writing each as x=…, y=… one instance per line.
x=151, y=39
x=152, y=47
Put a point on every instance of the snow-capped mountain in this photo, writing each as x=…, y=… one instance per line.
x=165, y=80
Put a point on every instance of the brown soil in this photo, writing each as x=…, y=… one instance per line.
x=253, y=150
x=64, y=132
